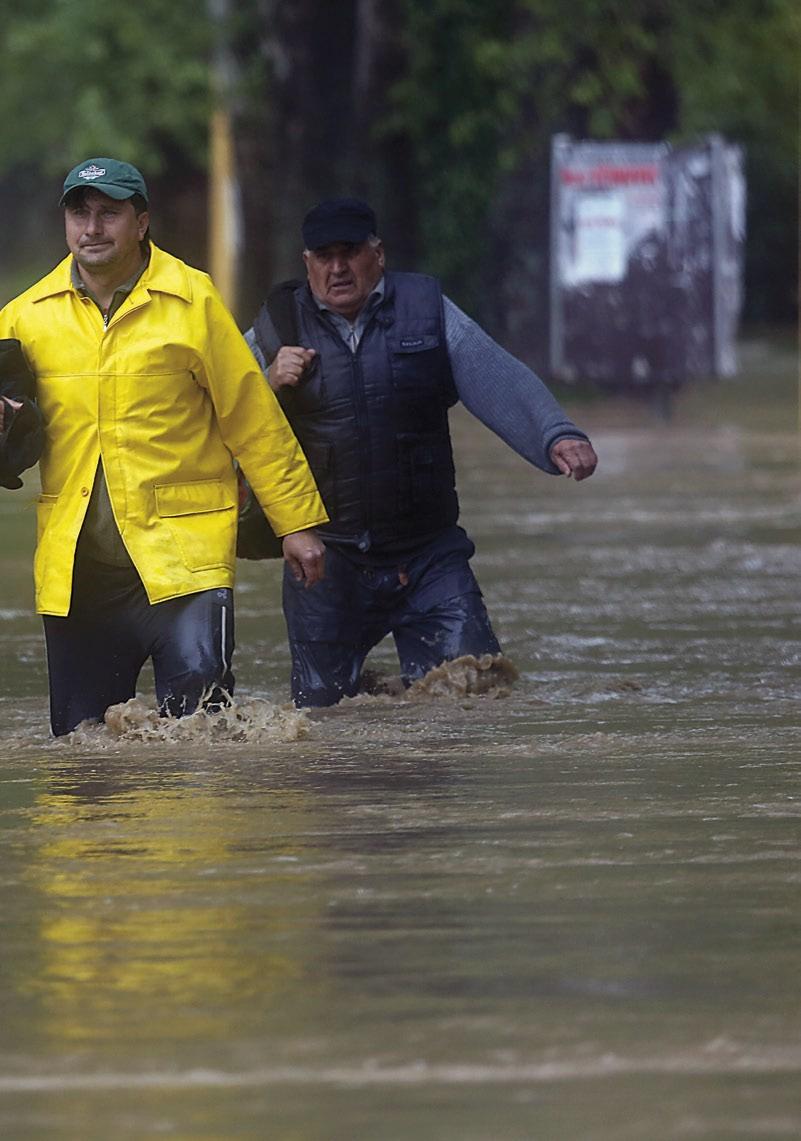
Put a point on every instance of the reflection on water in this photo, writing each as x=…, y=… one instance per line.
x=563, y=908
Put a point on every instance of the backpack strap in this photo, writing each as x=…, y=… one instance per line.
x=276, y=322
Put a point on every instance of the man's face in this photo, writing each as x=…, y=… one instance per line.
x=344, y=275
x=104, y=234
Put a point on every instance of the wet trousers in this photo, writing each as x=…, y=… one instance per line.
x=95, y=654
x=429, y=601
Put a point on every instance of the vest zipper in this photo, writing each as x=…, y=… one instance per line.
x=363, y=429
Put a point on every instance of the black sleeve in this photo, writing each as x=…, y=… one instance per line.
x=22, y=438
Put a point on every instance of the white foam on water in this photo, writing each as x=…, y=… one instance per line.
x=706, y=1060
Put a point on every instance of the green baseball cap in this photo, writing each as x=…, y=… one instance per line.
x=108, y=175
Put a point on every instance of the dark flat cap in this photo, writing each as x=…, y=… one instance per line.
x=338, y=220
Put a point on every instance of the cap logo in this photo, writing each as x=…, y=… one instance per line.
x=91, y=172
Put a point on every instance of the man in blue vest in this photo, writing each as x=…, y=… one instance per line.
x=366, y=363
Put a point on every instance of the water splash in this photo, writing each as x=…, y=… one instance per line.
x=490, y=675
x=258, y=721
x=250, y=721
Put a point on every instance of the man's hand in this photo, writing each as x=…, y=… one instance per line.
x=289, y=365
x=574, y=457
x=305, y=553
x=14, y=404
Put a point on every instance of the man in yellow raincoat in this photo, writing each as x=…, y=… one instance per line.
x=148, y=391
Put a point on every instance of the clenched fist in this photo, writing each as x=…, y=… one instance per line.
x=289, y=365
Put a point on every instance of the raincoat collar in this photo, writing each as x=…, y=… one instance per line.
x=164, y=274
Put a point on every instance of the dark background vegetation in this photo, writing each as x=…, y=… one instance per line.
x=440, y=111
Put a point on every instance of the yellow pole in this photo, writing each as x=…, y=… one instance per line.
x=223, y=208
x=225, y=220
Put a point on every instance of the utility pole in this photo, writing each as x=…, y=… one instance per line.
x=225, y=202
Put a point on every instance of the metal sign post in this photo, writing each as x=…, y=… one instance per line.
x=646, y=261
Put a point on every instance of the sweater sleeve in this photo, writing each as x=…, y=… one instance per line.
x=250, y=337
x=266, y=352
x=503, y=393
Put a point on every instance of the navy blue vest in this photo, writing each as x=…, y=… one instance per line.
x=374, y=424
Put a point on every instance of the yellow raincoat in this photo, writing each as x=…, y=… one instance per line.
x=166, y=395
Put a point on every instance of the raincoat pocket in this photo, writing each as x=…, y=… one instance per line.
x=44, y=509
x=202, y=518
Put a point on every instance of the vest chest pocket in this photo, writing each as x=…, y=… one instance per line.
x=415, y=359
x=419, y=371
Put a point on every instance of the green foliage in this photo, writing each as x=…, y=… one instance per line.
x=103, y=77
x=737, y=68
x=486, y=86
x=478, y=89
x=489, y=81
x=453, y=104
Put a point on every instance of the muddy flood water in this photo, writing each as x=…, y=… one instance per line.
x=564, y=909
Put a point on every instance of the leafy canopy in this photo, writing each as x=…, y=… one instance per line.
x=103, y=77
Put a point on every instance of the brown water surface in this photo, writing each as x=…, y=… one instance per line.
x=566, y=909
